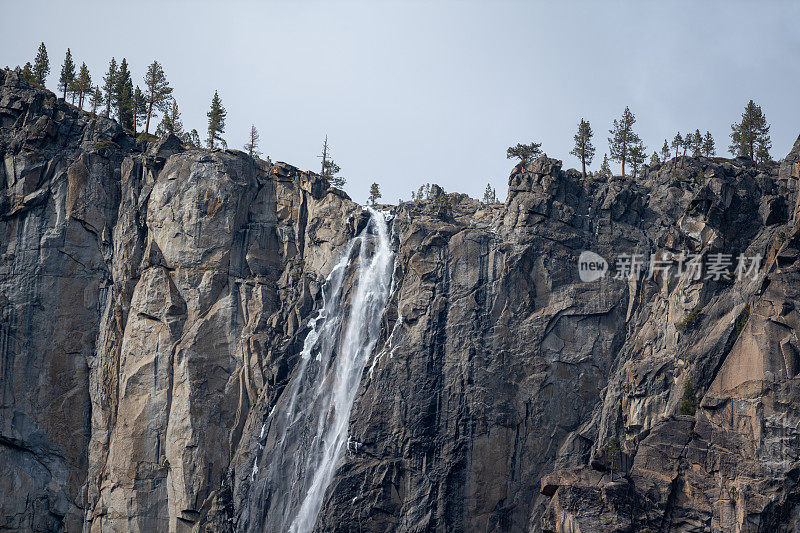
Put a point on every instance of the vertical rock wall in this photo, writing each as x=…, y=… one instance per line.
x=154, y=300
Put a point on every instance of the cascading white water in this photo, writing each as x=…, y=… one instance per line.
x=306, y=432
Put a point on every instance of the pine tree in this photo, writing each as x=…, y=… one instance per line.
x=110, y=84
x=708, y=145
x=623, y=138
x=665, y=151
x=159, y=93
x=697, y=144
x=139, y=108
x=83, y=84
x=612, y=452
x=27, y=73
x=73, y=89
x=687, y=142
x=677, y=142
x=216, y=121
x=41, y=65
x=96, y=99
x=171, y=122
x=374, y=193
x=192, y=138
x=125, y=107
x=638, y=155
x=762, y=151
x=165, y=126
x=654, y=159
x=605, y=168
x=67, y=74
x=330, y=171
x=419, y=195
x=751, y=134
x=489, y=195
x=524, y=152
x=123, y=95
x=439, y=203
x=251, y=146
x=584, y=150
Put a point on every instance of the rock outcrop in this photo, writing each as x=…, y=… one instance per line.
x=509, y=380
x=149, y=298
x=155, y=299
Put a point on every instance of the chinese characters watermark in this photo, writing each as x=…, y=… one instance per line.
x=716, y=266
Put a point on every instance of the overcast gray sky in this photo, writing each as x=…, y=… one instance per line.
x=415, y=92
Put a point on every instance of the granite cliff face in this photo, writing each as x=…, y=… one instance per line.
x=155, y=301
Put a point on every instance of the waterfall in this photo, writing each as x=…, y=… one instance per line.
x=307, y=431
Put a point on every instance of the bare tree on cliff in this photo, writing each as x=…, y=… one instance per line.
x=216, y=121
x=324, y=155
x=252, y=145
x=524, y=152
x=41, y=65
x=330, y=168
x=67, y=74
x=584, y=150
x=751, y=135
x=158, y=93
x=623, y=138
